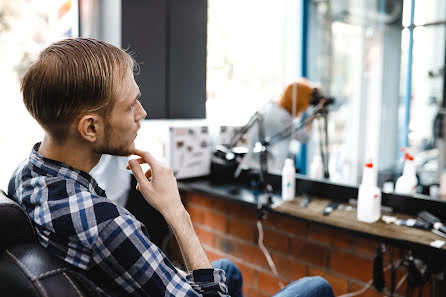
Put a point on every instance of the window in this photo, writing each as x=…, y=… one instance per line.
x=252, y=54
x=26, y=27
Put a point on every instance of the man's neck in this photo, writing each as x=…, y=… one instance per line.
x=76, y=155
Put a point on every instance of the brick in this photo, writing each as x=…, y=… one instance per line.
x=215, y=221
x=370, y=292
x=243, y=212
x=276, y=241
x=329, y=236
x=253, y=255
x=212, y=254
x=249, y=274
x=364, y=246
x=227, y=245
x=290, y=225
x=337, y=283
x=199, y=200
x=223, y=205
x=351, y=265
x=289, y=269
x=253, y=292
x=205, y=236
x=309, y=252
x=243, y=230
x=268, y=283
x=196, y=214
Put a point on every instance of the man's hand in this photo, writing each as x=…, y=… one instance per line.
x=162, y=191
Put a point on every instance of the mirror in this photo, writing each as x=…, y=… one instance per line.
x=382, y=63
x=385, y=65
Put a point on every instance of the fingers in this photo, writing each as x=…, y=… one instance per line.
x=137, y=171
x=146, y=156
x=139, y=160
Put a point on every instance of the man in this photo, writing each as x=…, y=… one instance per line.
x=278, y=117
x=82, y=92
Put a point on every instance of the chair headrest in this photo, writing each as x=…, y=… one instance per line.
x=15, y=225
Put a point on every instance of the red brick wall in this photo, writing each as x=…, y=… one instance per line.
x=298, y=248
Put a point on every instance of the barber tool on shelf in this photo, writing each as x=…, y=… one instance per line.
x=331, y=206
x=305, y=201
x=419, y=224
x=434, y=223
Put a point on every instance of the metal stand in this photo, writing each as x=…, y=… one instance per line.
x=263, y=209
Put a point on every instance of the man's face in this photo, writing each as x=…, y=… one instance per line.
x=121, y=127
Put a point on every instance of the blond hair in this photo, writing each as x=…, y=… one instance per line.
x=72, y=77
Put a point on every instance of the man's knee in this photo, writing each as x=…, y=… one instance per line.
x=319, y=283
x=224, y=264
x=312, y=286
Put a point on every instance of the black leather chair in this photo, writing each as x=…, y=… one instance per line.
x=28, y=269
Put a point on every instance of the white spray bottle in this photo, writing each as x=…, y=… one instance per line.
x=407, y=183
x=369, y=196
x=288, y=180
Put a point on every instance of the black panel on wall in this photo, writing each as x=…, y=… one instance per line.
x=144, y=33
x=187, y=58
x=169, y=39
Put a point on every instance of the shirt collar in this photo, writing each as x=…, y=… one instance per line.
x=56, y=168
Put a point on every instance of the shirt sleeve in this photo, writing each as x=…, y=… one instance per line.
x=124, y=252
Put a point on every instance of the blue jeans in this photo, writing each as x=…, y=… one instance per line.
x=314, y=286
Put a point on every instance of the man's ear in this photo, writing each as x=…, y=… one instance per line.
x=88, y=127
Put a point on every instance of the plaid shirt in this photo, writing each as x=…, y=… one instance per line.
x=76, y=222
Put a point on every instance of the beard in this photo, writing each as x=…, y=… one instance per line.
x=122, y=146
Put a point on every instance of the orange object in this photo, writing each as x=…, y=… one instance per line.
x=304, y=92
x=64, y=9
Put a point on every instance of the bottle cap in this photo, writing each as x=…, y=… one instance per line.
x=406, y=156
x=289, y=162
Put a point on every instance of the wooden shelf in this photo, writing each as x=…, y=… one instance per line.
x=346, y=219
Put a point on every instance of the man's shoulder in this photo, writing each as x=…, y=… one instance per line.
x=66, y=200
x=76, y=210
x=86, y=200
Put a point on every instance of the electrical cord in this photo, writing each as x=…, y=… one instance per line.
x=267, y=254
x=369, y=284
x=366, y=287
x=281, y=284
x=401, y=281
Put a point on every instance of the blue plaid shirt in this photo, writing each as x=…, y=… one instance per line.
x=76, y=222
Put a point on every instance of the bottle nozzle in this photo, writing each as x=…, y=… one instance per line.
x=406, y=156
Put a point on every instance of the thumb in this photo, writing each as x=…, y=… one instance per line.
x=137, y=171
